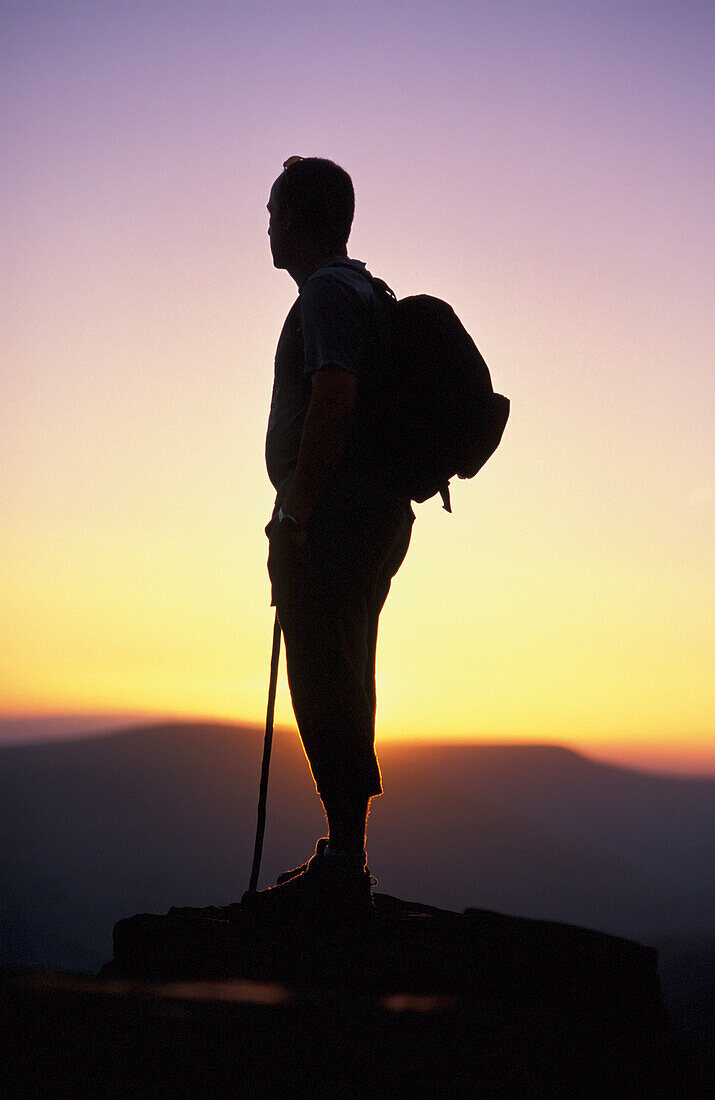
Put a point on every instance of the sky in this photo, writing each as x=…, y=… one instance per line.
x=547, y=169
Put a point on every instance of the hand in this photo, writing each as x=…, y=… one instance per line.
x=297, y=535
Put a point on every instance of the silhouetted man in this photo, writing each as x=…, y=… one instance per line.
x=338, y=532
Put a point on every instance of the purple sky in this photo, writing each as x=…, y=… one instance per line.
x=546, y=168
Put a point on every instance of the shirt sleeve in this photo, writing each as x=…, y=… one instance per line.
x=333, y=324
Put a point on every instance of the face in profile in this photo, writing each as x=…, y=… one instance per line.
x=277, y=230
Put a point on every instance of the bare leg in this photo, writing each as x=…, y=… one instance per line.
x=347, y=818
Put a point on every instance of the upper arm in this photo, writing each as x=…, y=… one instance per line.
x=335, y=390
x=333, y=326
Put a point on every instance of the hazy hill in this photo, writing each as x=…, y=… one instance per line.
x=98, y=829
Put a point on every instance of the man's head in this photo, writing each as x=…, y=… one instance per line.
x=311, y=209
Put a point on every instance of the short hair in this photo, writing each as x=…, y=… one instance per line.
x=320, y=193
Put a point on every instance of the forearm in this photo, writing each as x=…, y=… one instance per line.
x=325, y=433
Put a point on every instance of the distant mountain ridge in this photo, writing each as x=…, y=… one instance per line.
x=161, y=815
x=37, y=728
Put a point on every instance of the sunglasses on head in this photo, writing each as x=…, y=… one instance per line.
x=290, y=162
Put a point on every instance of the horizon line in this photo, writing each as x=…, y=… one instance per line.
x=57, y=725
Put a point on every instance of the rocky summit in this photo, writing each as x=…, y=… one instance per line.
x=417, y=1001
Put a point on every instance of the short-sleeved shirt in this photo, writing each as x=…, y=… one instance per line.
x=330, y=325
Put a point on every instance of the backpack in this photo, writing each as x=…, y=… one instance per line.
x=434, y=403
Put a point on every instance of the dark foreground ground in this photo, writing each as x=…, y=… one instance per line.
x=419, y=1002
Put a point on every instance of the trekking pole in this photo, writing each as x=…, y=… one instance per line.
x=267, y=745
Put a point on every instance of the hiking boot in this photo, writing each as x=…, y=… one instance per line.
x=287, y=875
x=322, y=893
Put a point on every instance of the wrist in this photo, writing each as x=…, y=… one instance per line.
x=289, y=520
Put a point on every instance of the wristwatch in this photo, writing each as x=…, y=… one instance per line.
x=291, y=519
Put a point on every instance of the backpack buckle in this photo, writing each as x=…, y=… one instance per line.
x=444, y=493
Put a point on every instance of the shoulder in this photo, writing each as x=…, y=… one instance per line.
x=336, y=307
x=333, y=284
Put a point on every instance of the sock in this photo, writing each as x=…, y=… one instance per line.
x=354, y=862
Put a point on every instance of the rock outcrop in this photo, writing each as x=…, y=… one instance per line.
x=420, y=1002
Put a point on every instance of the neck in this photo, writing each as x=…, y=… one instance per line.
x=300, y=268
